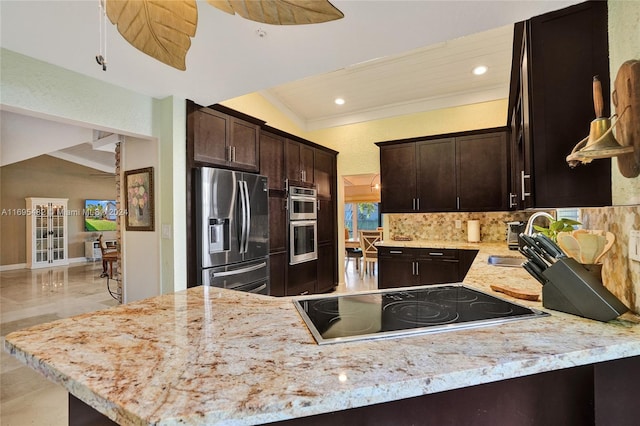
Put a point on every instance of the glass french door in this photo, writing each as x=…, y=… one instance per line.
x=47, y=234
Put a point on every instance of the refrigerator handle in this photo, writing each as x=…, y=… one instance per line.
x=239, y=271
x=248, y=211
x=243, y=213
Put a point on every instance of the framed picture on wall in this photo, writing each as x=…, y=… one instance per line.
x=139, y=199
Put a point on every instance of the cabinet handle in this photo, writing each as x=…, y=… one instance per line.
x=457, y=203
x=413, y=205
x=436, y=254
x=413, y=268
x=417, y=268
x=512, y=200
x=522, y=178
x=233, y=154
x=228, y=153
x=395, y=251
x=418, y=204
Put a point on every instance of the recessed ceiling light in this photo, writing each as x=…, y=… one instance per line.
x=479, y=70
x=339, y=101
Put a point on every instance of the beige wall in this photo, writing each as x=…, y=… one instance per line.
x=47, y=177
x=624, y=44
x=356, y=142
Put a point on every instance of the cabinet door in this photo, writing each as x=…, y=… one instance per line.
x=326, y=222
x=307, y=158
x=434, y=271
x=292, y=160
x=277, y=224
x=272, y=160
x=437, y=266
x=324, y=174
x=482, y=172
x=244, y=144
x=568, y=47
x=436, y=175
x=302, y=278
x=209, y=136
x=396, y=268
x=398, y=178
x=326, y=268
x=277, y=274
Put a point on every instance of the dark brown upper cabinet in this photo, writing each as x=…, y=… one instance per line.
x=556, y=56
x=218, y=139
x=462, y=172
x=299, y=160
x=272, y=160
x=324, y=173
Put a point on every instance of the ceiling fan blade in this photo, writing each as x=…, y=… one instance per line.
x=161, y=29
x=281, y=12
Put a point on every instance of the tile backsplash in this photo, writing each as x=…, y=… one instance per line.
x=620, y=274
x=442, y=226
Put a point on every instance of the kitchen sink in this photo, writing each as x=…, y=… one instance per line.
x=512, y=261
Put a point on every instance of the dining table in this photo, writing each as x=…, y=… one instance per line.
x=352, y=243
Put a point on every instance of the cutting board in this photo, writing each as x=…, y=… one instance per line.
x=513, y=292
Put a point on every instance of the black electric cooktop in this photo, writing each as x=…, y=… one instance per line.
x=406, y=311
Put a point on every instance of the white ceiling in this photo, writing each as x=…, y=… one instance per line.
x=385, y=57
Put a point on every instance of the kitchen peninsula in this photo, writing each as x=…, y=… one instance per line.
x=214, y=356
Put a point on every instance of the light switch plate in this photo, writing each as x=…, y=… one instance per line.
x=166, y=231
x=634, y=245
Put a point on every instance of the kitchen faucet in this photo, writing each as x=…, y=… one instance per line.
x=528, y=230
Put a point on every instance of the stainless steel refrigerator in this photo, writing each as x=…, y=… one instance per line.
x=233, y=229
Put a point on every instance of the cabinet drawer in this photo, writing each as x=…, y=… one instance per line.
x=437, y=254
x=396, y=252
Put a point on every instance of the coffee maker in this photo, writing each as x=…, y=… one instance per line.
x=513, y=231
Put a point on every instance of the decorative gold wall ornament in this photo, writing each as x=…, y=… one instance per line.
x=163, y=29
x=601, y=142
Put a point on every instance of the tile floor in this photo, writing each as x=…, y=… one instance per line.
x=30, y=297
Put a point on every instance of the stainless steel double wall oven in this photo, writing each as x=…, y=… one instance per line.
x=303, y=224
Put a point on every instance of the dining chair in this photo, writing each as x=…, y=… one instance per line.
x=369, y=250
x=109, y=255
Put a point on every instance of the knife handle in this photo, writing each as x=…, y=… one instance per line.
x=549, y=246
x=534, y=272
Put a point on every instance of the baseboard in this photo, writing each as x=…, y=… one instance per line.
x=24, y=265
x=13, y=267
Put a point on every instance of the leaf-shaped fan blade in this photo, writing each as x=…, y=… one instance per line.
x=161, y=29
x=281, y=12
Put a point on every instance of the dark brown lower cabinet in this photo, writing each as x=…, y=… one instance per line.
x=326, y=268
x=402, y=266
x=588, y=395
x=302, y=278
x=278, y=274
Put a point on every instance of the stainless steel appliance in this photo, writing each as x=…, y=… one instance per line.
x=233, y=229
x=303, y=225
x=405, y=311
x=513, y=230
x=302, y=203
x=303, y=241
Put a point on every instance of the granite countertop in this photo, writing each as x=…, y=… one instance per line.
x=207, y=355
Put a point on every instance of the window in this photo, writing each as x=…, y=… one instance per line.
x=361, y=217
